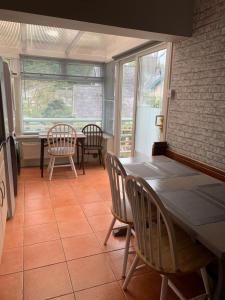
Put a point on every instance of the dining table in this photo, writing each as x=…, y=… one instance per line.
x=80, y=139
x=195, y=201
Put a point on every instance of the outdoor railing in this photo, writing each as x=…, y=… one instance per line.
x=36, y=125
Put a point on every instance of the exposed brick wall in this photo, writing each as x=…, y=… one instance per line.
x=196, y=120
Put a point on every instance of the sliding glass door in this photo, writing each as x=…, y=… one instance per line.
x=141, y=92
x=149, y=100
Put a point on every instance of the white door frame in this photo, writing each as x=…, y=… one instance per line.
x=118, y=91
x=118, y=100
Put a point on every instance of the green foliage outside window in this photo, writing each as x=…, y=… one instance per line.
x=41, y=66
x=52, y=89
x=47, y=98
x=56, y=108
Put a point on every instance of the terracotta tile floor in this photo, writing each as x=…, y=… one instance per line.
x=54, y=244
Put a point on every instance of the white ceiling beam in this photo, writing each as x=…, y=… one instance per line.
x=23, y=35
x=74, y=42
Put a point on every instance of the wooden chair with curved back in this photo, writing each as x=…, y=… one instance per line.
x=120, y=205
x=159, y=243
x=93, y=141
x=61, y=143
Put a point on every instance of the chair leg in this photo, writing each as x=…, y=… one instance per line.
x=177, y=292
x=206, y=282
x=99, y=156
x=78, y=156
x=103, y=162
x=72, y=165
x=164, y=288
x=131, y=271
x=52, y=167
x=49, y=164
x=110, y=230
x=126, y=251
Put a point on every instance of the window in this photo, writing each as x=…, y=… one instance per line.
x=56, y=91
x=109, y=97
x=141, y=84
x=109, y=116
x=127, y=107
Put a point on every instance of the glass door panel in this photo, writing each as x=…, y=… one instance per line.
x=127, y=108
x=149, y=100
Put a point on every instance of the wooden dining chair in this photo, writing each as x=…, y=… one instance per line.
x=120, y=205
x=93, y=141
x=61, y=143
x=160, y=244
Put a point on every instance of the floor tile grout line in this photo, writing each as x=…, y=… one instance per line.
x=99, y=244
x=60, y=238
x=11, y=273
x=72, y=259
x=48, y=265
x=94, y=286
x=67, y=294
x=89, y=255
x=39, y=224
x=71, y=283
x=103, y=284
x=54, y=240
x=102, y=247
x=66, y=260
x=42, y=242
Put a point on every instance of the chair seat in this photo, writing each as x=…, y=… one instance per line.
x=192, y=255
x=61, y=151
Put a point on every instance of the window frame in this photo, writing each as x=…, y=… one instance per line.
x=118, y=89
x=63, y=76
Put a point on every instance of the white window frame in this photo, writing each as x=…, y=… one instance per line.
x=118, y=92
x=80, y=79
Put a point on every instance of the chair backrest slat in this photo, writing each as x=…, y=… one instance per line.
x=62, y=136
x=117, y=176
x=94, y=135
x=153, y=226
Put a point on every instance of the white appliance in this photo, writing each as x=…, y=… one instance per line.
x=7, y=134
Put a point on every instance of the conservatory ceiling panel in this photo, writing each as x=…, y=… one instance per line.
x=10, y=35
x=92, y=44
x=17, y=38
x=119, y=44
x=49, y=38
x=104, y=45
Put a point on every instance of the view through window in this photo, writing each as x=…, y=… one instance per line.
x=149, y=100
x=137, y=129
x=127, y=107
x=55, y=91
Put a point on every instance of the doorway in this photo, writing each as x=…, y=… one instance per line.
x=142, y=99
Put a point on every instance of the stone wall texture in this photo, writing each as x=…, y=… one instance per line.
x=196, y=119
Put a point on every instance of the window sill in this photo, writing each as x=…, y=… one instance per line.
x=27, y=136
x=35, y=135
